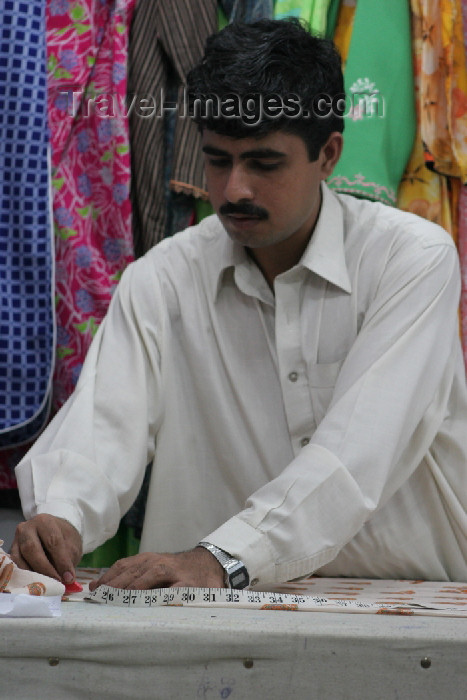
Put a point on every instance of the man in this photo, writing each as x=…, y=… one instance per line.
x=292, y=365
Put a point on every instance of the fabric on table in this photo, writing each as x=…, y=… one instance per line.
x=166, y=40
x=87, y=54
x=16, y=580
x=26, y=247
x=323, y=424
x=380, y=113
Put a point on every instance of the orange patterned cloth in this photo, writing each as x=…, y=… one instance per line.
x=442, y=73
x=438, y=164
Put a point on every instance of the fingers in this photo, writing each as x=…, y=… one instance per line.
x=48, y=545
x=140, y=572
x=196, y=568
x=63, y=545
x=27, y=551
x=17, y=558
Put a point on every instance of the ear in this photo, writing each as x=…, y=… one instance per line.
x=331, y=152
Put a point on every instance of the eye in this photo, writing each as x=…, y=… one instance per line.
x=219, y=162
x=264, y=166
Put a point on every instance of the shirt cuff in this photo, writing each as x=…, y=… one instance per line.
x=248, y=544
x=47, y=482
x=64, y=510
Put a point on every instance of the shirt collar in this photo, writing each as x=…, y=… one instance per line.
x=324, y=254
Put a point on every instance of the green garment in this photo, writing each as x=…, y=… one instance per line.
x=221, y=18
x=331, y=21
x=123, y=544
x=321, y=15
x=378, y=80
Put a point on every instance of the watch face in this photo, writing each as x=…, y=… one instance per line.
x=236, y=571
x=238, y=575
x=239, y=579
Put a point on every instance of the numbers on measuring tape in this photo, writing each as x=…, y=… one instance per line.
x=202, y=597
x=225, y=597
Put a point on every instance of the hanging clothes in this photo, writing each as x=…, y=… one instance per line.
x=344, y=27
x=462, y=247
x=438, y=165
x=87, y=53
x=380, y=123
x=26, y=248
x=26, y=242
x=319, y=14
x=462, y=232
x=247, y=10
x=443, y=85
x=427, y=193
x=166, y=40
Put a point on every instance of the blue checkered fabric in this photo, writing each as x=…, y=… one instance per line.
x=26, y=244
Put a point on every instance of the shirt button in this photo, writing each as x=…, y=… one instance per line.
x=304, y=441
x=293, y=376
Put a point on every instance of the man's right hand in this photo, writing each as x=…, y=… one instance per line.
x=48, y=545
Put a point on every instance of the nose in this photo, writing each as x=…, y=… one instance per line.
x=238, y=186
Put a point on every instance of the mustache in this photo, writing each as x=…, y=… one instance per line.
x=245, y=209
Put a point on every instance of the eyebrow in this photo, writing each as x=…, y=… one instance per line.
x=254, y=153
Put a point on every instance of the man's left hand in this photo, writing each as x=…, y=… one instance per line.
x=195, y=568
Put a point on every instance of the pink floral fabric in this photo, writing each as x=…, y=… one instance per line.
x=87, y=62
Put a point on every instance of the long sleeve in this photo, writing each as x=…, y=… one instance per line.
x=89, y=464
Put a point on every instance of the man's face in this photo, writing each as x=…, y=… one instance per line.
x=264, y=190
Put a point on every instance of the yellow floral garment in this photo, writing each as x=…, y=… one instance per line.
x=441, y=99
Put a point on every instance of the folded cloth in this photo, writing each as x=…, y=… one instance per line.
x=16, y=580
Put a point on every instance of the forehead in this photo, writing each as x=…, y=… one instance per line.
x=278, y=142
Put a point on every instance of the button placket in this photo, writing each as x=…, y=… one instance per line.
x=292, y=367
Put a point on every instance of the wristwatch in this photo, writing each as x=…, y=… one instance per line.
x=236, y=575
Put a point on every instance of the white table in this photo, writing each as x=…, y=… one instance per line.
x=176, y=653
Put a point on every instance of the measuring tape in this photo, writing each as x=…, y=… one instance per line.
x=225, y=597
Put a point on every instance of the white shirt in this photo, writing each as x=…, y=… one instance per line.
x=323, y=427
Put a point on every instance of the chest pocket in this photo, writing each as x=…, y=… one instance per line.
x=323, y=378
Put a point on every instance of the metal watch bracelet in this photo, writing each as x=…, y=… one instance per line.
x=236, y=574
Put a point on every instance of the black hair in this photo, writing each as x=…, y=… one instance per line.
x=267, y=76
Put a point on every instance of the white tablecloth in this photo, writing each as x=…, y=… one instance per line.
x=176, y=653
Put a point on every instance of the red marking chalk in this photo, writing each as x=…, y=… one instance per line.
x=74, y=587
